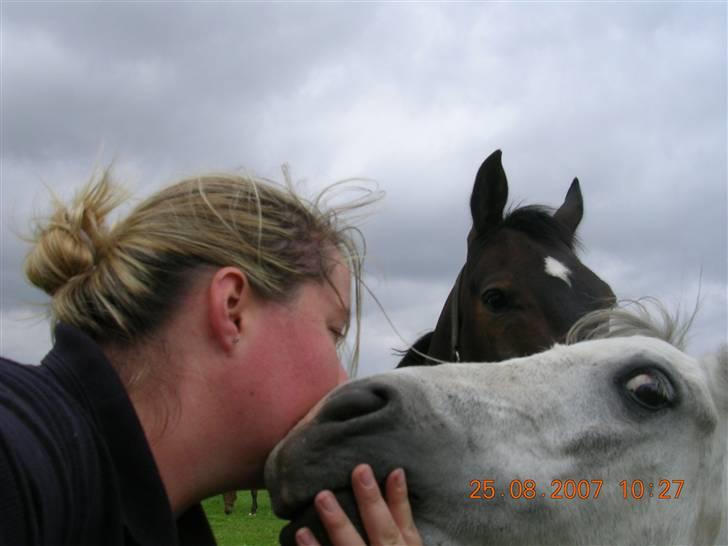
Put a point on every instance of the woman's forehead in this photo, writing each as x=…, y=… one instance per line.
x=340, y=277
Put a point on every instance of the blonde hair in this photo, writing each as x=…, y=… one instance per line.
x=119, y=284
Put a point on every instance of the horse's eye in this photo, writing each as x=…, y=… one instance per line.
x=494, y=299
x=651, y=389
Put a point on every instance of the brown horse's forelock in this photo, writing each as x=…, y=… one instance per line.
x=538, y=222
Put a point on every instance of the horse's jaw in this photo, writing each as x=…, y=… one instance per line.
x=433, y=533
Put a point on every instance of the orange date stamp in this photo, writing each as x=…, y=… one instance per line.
x=574, y=489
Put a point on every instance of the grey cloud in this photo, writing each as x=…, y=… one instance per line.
x=629, y=98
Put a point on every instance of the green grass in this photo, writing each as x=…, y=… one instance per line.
x=240, y=529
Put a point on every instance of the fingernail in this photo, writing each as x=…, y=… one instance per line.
x=304, y=537
x=366, y=477
x=326, y=501
x=399, y=477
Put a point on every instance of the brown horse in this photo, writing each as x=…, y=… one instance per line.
x=522, y=286
x=230, y=497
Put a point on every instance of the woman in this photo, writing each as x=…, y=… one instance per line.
x=189, y=339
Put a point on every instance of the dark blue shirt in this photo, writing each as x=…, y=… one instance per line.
x=75, y=465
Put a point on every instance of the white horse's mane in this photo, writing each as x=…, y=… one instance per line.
x=649, y=317
x=644, y=317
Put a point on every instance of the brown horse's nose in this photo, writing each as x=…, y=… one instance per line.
x=357, y=400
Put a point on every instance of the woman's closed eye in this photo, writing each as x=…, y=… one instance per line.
x=337, y=334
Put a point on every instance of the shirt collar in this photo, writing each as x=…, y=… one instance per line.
x=83, y=369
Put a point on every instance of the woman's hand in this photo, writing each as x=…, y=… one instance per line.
x=387, y=523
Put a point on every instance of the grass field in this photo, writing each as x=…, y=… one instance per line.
x=240, y=529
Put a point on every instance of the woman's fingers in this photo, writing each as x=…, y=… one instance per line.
x=304, y=537
x=398, y=502
x=340, y=530
x=387, y=523
x=375, y=514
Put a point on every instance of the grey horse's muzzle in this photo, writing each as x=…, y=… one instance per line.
x=366, y=421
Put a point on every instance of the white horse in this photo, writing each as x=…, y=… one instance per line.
x=620, y=440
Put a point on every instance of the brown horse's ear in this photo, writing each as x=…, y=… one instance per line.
x=570, y=213
x=490, y=194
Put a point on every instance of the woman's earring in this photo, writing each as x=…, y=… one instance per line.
x=236, y=340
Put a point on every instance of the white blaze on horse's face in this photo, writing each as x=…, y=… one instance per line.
x=556, y=269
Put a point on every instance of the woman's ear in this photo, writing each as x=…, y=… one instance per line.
x=229, y=296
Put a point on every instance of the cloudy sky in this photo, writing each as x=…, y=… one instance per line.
x=631, y=98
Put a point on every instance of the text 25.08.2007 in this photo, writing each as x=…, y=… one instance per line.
x=575, y=489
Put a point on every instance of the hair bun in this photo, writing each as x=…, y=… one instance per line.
x=72, y=241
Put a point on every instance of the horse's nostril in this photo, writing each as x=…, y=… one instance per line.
x=352, y=403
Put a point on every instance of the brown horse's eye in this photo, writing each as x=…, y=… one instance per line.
x=494, y=299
